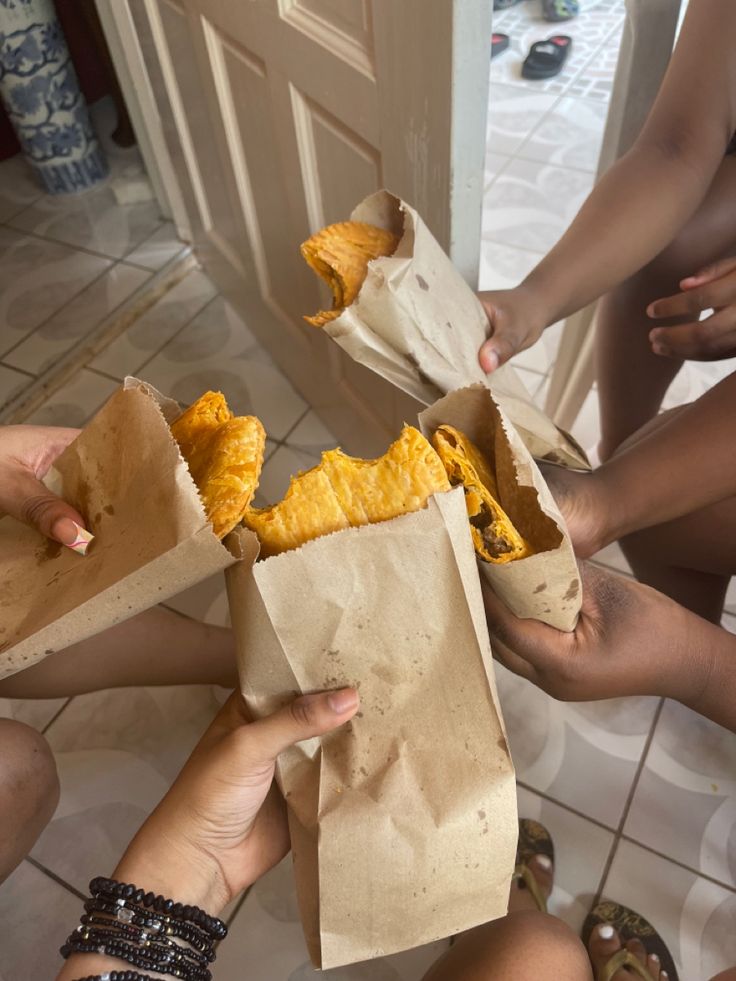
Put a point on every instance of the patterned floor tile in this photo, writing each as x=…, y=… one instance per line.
x=18, y=187
x=685, y=801
x=553, y=743
x=75, y=402
x=93, y=221
x=29, y=899
x=41, y=349
x=37, y=278
x=116, y=752
x=569, y=135
x=217, y=351
x=513, y=112
x=36, y=712
x=495, y=162
x=581, y=851
x=694, y=916
x=12, y=383
x=137, y=346
x=531, y=204
x=157, y=249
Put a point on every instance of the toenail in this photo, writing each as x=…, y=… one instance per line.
x=663, y=974
x=544, y=862
x=655, y=957
x=605, y=931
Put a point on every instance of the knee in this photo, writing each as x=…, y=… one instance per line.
x=28, y=774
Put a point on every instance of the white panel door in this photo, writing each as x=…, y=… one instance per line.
x=280, y=115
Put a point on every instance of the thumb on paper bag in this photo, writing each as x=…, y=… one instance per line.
x=32, y=502
x=305, y=717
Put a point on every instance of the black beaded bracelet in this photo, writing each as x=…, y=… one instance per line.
x=118, y=976
x=126, y=912
x=193, y=914
x=139, y=927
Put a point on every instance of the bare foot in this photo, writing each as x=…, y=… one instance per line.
x=542, y=869
x=605, y=942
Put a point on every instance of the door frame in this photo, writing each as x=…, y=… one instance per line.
x=122, y=36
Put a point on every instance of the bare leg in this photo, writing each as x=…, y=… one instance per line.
x=524, y=945
x=632, y=380
x=158, y=647
x=29, y=791
x=690, y=559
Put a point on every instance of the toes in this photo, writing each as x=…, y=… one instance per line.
x=542, y=869
x=603, y=943
x=637, y=948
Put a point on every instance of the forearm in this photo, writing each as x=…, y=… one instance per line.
x=154, y=863
x=713, y=691
x=157, y=647
x=633, y=213
x=686, y=462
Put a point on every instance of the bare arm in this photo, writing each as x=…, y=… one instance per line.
x=645, y=198
x=681, y=462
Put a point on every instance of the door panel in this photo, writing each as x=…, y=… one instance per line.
x=287, y=113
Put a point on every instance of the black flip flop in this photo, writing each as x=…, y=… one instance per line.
x=546, y=58
x=499, y=43
x=629, y=926
x=534, y=839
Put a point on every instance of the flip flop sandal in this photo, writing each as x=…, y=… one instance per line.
x=558, y=10
x=534, y=839
x=546, y=58
x=629, y=926
x=499, y=43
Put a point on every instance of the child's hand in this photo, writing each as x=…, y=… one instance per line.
x=223, y=824
x=629, y=640
x=700, y=340
x=26, y=456
x=515, y=324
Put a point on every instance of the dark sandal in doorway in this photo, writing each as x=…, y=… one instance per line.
x=547, y=58
x=504, y=4
x=629, y=926
x=499, y=43
x=534, y=839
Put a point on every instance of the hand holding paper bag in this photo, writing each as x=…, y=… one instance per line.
x=26, y=455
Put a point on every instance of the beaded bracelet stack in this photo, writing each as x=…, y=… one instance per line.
x=141, y=928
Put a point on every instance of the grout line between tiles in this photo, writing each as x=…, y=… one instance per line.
x=675, y=861
x=56, y=715
x=101, y=373
x=244, y=896
x=21, y=371
x=81, y=248
x=180, y=329
x=627, y=805
x=56, y=878
x=71, y=299
x=564, y=806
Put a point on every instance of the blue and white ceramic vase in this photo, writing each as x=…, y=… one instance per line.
x=40, y=92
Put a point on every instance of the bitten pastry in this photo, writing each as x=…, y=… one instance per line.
x=494, y=535
x=225, y=455
x=340, y=255
x=344, y=491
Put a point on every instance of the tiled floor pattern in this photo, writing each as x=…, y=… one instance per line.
x=640, y=795
x=68, y=262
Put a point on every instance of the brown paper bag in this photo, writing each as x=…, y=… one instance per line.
x=418, y=324
x=403, y=822
x=125, y=475
x=545, y=586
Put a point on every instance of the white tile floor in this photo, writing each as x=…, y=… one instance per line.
x=639, y=795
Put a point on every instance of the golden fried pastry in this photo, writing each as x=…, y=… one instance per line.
x=494, y=536
x=344, y=491
x=340, y=255
x=224, y=454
